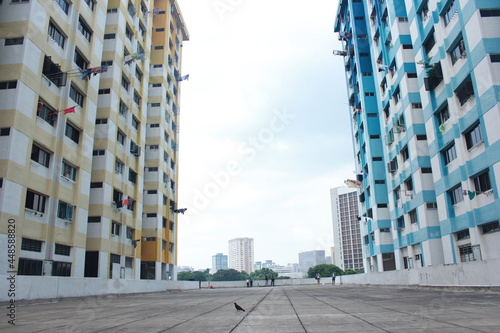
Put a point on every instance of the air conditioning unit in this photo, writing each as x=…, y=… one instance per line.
x=417, y=257
x=136, y=151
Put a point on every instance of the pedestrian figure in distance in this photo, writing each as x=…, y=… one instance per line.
x=318, y=277
x=251, y=281
x=333, y=278
x=272, y=280
x=238, y=308
x=267, y=280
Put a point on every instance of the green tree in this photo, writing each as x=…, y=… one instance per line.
x=260, y=274
x=192, y=276
x=325, y=270
x=229, y=275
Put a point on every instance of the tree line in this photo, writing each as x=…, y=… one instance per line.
x=325, y=270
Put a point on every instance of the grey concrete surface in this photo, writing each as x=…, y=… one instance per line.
x=322, y=308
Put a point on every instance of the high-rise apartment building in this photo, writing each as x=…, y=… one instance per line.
x=76, y=87
x=421, y=77
x=308, y=259
x=348, y=252
x=241, y=254
x=219, y=261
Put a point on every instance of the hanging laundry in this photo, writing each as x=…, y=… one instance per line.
x=70, y=110
x=182, y=78
x=442, y=128
x=128, y=59
x=182, y=210
x=125, y=202
x=472, y=194
x=352, y=183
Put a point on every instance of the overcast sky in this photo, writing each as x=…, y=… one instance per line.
x=264, y=128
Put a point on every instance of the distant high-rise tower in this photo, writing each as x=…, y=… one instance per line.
x=346, y=228
x=219, y=261
x=241, y=254
x=311, y=258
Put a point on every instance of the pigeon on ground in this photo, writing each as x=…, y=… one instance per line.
x=238, y=308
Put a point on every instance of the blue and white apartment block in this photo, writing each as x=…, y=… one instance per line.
x=423, y=81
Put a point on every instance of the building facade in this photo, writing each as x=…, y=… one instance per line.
x=346, y=228
x=309, y=259
x=241, y=254
x=75, y=90
x=219, y=261
x=421, y=77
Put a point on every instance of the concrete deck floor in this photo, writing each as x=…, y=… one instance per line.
x=322, y=308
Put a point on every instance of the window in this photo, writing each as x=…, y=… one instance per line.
x=160, y=47
x=154, y=125
x=465, y=92
x=65, y=211
x=495, y=57
x=404, y=153
x=109, y=36
x=152, y=169
x=425, y=13
x=137, y=97
x=409, y=184
x=120, y=137
x=123, y=109
x=396, y=95
x=119, y=167
x=429, y=43
x=132, y=176
x=490, y=227
x=142, y=29
x=482, y=182
x=76, y=96
x=62, y=250
x=56, y=35
x=72, y=133
x=171, y=247
x=152, y=191
x=96, y=185
x=134, y=148
x=473, y=136
x=449, y=154
x=413, y=216
x=29, y=267
x=68, y=171
x=443, y=115
x=154, y=147
x=450, y=12
x=400, y=222
x=101, y=121
x=107, y=63
x=46, y=113
x=458, y=51
x=35, y=202
x=130, y=233
x=84, y=28
x=106, y=91
x=8, y=85
x=466, y=253
x=157, y=66
x=426, y=170
x=138, y=74
x=63, y=4
x=463, y=234
x=61, y=268
x=99, y=152
x=456, y=195
x=94, y=219
x=489, y=12
x=407, y=46
x=14, y=41
x=5, y=131
x=115, y=228
x=151, y=215
x=31, y=245
x=125, y=83
x=171, y=227
x=128, y=32
x=80, y=60
x=135, y=123
x=40, y=156
x=416, y=105
x=421, y=137
x=431, y=205
x=90, y=3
